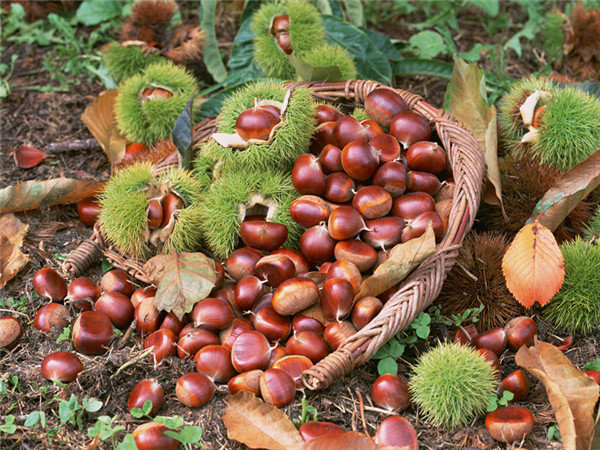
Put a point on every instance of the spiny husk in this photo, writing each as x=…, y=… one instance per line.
x=220, y=213
x=554, y=38
x=584, y=57
x=148, y=122
x=332, y=55
x=592, y=231
x=185, y=47
x=306, y=32
x=155, y=152
x=524, y=183
x=360, y=114
x=509, y=116
x=290, y=141
x=149, y=21
x=576, y=307
x=477, y=279
x=451, y=384
x=125, y=61
x=123, y=208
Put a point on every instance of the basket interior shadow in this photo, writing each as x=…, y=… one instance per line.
x=417, y=291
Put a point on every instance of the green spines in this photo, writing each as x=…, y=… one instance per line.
x=554, y=37
x=290, y=140
x=509, y=117
x=593, y=229
x=222, y=205
x=576, y=307
x=306, y=31
x=332, y=55
x=124, y=201
x=451, y=384
x=125, y=61
x=149, y=121
x=570, y=130
x=360, y=114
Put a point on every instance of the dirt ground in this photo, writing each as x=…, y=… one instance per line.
x=31, y=118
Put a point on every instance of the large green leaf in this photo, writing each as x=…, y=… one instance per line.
x=212, y=57
x=410, y=67
x=371, y=64
x=182, y=135
x=93, y=12
x=384, y=45
x=355, y=11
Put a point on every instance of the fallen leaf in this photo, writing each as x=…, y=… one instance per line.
x=403, y=258
x=466, y=99
x=28, y=157
x=100, y=119
x=12, y=260
x=257, y=424
x=533, y=265
x=308, y=72
x=37, y=194
x=351, y=440
x=183, y=279
x=567, y=192
x=571, y=393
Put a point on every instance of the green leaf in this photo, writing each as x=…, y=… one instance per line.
x=128, y=443
x=427, y=44
x=32, y=419
x=384, y=45
x=183, y=135
x=423, y=67
x=93, y=12
x=323, y=6
x=355, y=12
x=387, y=365
x=371, y=64
x=422, y=331
x=382, y=352
x=138, y=413
x=594, y=365
x=491, y=7
x=188, y=435
x=308, y=72
x=212, y=57
x=475, y=53
x=93, y=405
x=9, y=426
x=396, y=348
x=106, y=265
x=242, y=66
x=174, y=422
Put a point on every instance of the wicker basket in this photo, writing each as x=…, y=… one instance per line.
x=419, y=289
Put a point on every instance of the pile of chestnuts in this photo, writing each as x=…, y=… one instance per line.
x=364, y=190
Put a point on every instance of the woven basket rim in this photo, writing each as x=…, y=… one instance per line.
x=422, y=286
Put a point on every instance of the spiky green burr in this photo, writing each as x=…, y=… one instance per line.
x=125, y=61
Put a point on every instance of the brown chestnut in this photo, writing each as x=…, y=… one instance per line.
x=339, y=187
x=360, y=160
x=382, y=104
x=118, y=280
x=215, y=361
x=361, y=254
x=409, y=127
x=520, y=331
x=274, y=326
x=396, y=431
x=509, y=423
x=494, y=339
x=372, y=202
x=61, y=366
x=336, y=333
x=146, y=390
x=83, y=292
x=308, y=176
x=300, y=322
x=417, y=226
x=309, y=344
x=412, y=204
x=308, y=213
x=391, y=176
x=194, y=389
x=247, y=290
x=316, y=244
x=390, y=392
x=383, y=233
x=331, y=159
x=263, y=235
x=247, y=381
x=152, y=436
x=250, y=351
x=327, y=113
x=387, y=146
x=517, y=383
x=212, y=314
x=365, y=309
x=51, y=315
x=426, y=156
x=117, y=307
x=164, y=343
x=88, y=210
x=255, y=123
x=11, y=331
x=277, y=387
x=275, y=269
x=295, y=295
x=242, y=261
x=422, y=182
x=296, y=257
x=344, y=223
x=336, y=299
x=92, y=332
x=48, y=284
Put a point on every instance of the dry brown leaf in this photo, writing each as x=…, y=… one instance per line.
x=403, y=258
x=100, y=119
x=570, y=189
x=37, y=194
x=351, y=440
x=533, y=265
x=27, y=157
x=571, y=393
x=257, y=424
x=12, y=260
x=183, y=279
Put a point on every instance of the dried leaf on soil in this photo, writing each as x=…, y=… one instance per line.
x=100, y=119
x=350, y=440
x=257, y=424
x=28, y=157
x=183, y=279
x=466, y=99
x=403, y=258
x=38, y=194
x=12, y=260
x=533, y=265
x=571, y=393
x=567, y=192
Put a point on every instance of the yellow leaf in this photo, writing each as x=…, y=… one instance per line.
x=572, y=394
x=257, y=424
x=533, y=265
x=12, y=259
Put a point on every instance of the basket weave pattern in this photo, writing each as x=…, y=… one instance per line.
x=422, y=286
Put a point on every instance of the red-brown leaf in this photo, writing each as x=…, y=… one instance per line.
x=28, y=157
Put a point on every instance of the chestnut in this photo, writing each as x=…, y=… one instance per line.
x=336, y=299
x=83, y=292
x=308, y=176
x=263, y=235
x=309, y=344
x=563, y=344
x=348, y=129
x=409, y=127
x=164, y=343
x=135, y=150
x=263, y=300
x=255, y=123
x=326, y=113
x=361, y=254
x=322, y=136
x=396, y=431
x=241, y=262
x=494, y=339
x=360, y=160
x=61, y=366
x=391, y=176
x=284, y=42
x=169, y=203
x=118, y=280
x=300, y=322
x=277, y=387
x=146, y=390
x=426, y=156
x=339, y=187
x=308, y=213
x=387, y=146
x=365, y=309
x=294, y=365
x=348, y=271
x=316, y=244
x=382, y=104
x=247, y=381
x=228, y=336
x=418, y=225
x=331, y=159
x=277, y=353
x=189, y=344
x=344, y=223
x=88, y=210
x=517, y=383
x=212, y=314
x=147, y=317
x=412, y=204
x=464, y=334
x=247, y=290
x=492, y=358
x=274, y=326
x=91, y=333
x=296, y=257
x=117, y=307
x=11, y=331
x=48, y=284
x=280, y=24
x=294, y=295
x=372, y=202
x=152, y=435
x=156, y=94
x=336, y=333
x=154, y=213
x=275, y=269
x=422, y=182
x=194, y=389
x=215, y=361
x=593, y=375
x=390, y=392
x=520, y=331
x=314, y=429
x=141, y=293
x=383, y=233
x=250, y=351
x=51, y=315
x=509, y=423
x=173, y=323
